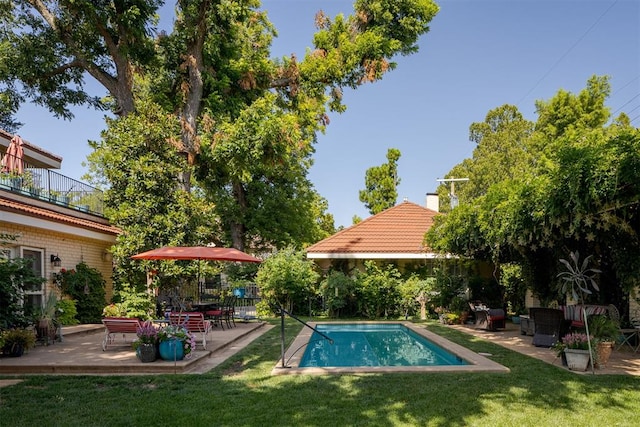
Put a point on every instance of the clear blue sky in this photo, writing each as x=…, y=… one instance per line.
x=478, y=55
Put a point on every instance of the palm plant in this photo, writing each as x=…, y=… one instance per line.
x=578, y=279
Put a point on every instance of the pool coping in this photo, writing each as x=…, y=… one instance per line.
x=477, y=362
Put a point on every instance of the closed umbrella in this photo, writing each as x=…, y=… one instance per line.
x=12, y=161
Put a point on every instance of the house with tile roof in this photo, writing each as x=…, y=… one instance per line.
x=396, y=234
x=52, y=219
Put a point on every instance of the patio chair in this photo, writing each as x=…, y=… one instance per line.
x=218, y=315
x=490, y=319
x=627, y=335
x=549, y=326
x=230, y=311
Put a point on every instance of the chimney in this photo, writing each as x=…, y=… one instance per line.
x=433, y=202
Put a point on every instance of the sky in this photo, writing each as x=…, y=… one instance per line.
x=477, y=56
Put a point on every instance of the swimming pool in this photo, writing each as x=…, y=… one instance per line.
x=361, y=347
x=377, y=344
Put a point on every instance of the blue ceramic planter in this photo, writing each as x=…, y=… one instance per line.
x=171, y=350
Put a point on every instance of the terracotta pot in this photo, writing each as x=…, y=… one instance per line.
x=604, y=350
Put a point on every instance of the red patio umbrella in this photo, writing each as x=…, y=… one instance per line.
x=199, y=253
x=208, y=253
x=12, y=160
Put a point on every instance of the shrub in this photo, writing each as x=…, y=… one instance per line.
x=16, y=275
x=86, y=286
x=66, y=312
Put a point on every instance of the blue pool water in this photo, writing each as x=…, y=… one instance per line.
x=373, y=345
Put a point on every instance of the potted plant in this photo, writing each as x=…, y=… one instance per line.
x=146, y=346
x=113, y=310
x=577, y=350
x=17, y=341
x=46, y=324
x=175, y=342
x=578, y=279
x=605, y=331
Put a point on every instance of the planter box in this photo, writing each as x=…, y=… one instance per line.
x=577, y=360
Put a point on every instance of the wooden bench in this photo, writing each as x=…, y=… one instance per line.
x=118, y=325
x=194, y=322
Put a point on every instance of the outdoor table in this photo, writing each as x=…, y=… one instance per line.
x=205, y=306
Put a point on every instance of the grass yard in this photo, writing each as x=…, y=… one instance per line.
x=242, y=392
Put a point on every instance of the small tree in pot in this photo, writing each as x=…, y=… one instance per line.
x=578, y=279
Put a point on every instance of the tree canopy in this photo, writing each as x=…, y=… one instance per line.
x=540, y=191
x=381, y=183
x=243, y=123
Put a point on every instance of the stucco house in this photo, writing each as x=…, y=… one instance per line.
x=52, y=219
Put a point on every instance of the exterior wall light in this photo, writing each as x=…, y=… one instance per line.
x=55, y=260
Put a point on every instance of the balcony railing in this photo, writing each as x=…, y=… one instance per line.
x=47, y=185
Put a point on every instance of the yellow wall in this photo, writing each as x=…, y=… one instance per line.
x=71, y=250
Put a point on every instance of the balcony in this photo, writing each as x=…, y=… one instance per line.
x=49, y=186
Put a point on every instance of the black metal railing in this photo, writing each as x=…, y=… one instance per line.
x=47, y=185
x=283, y=312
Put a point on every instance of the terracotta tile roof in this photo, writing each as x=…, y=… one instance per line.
x=11, y=205
x=397, y=232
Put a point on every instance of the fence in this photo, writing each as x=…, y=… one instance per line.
x=45, y=184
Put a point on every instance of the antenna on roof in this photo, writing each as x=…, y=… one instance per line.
x=452, y=192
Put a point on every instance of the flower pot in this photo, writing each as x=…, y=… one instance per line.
x=172, y=350
x=577, y=360
x=14, y=350
x=146, y=352
x=604, y=350
x=515, y=320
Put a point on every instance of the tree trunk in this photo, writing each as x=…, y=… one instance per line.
x=237, y=227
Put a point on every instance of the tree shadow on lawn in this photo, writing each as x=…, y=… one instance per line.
x=242, y=392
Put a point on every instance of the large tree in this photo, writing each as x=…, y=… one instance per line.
x=381, y=183
x=577, y=190
x=214, y=73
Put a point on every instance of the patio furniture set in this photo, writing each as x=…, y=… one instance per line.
x=197, y=322
x=548, y=325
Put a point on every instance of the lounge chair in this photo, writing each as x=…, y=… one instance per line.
x=490, y=319
x=118, y=325
x=550, y=325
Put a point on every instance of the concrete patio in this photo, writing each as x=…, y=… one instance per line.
x=621, y=362
x=80, y=352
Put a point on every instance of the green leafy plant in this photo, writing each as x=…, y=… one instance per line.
x=134, y=303
x=86, y=286
x=16, y=276
x=287, y=278
x=18, y=337
x=603, y=328
x=113, y=310
x=66, y=312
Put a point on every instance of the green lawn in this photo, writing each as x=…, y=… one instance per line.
x=242, y=392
